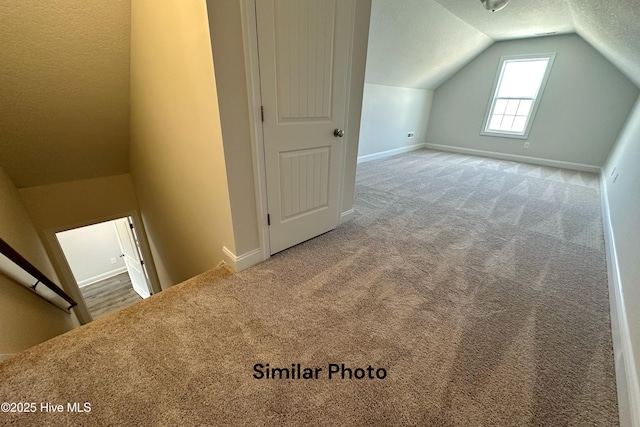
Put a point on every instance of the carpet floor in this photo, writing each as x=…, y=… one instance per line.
x=476, y=288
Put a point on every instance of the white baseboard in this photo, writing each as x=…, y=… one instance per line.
x=516, y=158
x=244, y=261
x=626, y=374
x=347, y=216
x=389, y=153
x=99, y=277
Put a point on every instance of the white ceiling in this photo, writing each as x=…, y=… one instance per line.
x=612, y=28
x=418, y=43
x=421, y=43
x=520, y=18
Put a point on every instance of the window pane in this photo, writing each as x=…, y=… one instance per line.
x=512, y=107
x=519, y=83
x=522, y=78
x=501, y=105
x=525, y=107
x=495, y=122
x=518, y=124
x=507, y=123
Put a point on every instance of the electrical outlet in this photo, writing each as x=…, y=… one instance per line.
x=411, y=135
x=114, y=261
x=616, y=178
x=614, y=170
x=526, y=144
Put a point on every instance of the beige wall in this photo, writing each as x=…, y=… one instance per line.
x=222, y=155
x=72, y=204
x=25, y=319
x=77, y=203
x=177, y=158
x=225, y=24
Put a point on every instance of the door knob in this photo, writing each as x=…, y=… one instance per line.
x=338, y=133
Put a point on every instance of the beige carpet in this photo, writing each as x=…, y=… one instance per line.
x=478, y=285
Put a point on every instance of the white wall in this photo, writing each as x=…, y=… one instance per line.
x=623, y=198
x=90, y=250
x=25, y=318
x=358, y=58
x=176, y=155
x=581, y=113
x=389, y=113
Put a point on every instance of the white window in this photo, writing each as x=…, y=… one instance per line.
x=516, y=95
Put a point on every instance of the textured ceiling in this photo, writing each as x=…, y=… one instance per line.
x=418, y=43
x=64, y=67
x=421, y=43
x=64, y=89
x=612, y=28
x=520, y=18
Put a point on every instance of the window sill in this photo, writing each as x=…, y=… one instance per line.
x=505, y=134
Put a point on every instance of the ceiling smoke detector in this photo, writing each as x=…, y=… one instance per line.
x=494, y=5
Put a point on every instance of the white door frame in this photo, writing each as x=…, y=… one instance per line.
x=62, y=268
x=252, y=72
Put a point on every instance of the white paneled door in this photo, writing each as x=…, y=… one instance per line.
x=304, y=69
x=131, y=256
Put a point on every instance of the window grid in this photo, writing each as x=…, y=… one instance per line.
x=519, y=84
x=510, y=114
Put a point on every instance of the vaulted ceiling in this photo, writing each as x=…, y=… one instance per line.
x=64, y=67
x=421, y=43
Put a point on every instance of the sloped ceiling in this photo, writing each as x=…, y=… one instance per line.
x=520, y=18
x=64, y=67
x=613, y=29
x=421, y=43
x=64, y=89
x=418, y=43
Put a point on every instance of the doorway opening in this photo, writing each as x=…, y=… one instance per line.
x=107, y=264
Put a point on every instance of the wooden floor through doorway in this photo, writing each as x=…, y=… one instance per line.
x=109, y=295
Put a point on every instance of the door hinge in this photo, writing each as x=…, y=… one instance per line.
x=141, y=262
x=131, y=226
x=268, y=219
x=262, y=112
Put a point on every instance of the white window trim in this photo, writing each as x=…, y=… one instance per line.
x=508, y=134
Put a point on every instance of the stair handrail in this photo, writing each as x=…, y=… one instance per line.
x=22, y=262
